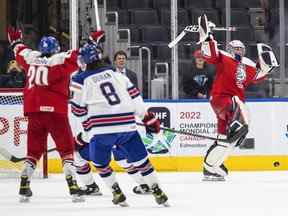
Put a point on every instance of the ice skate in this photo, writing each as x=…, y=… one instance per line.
x=160, y=196
x=25, y=190
x=74, y=190
x=92, y=190
x=209, y=176
x=118, y=197
x=142, y=189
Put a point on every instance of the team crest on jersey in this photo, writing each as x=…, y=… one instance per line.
x=240, y=75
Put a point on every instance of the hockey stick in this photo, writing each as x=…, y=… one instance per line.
x=15, y=159
x=240, y=133
x=187, y=133
x=195, y=28
x=98, y=26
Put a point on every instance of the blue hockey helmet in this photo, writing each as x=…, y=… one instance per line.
x=89, y=53
x=48, y=45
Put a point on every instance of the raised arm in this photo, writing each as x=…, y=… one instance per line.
x=210, y=51
x=23, y=54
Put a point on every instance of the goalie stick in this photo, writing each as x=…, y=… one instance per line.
x=195, y=28
x=230, y=140
x=15, y=159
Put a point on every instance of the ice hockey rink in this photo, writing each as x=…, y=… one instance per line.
x=244, y=193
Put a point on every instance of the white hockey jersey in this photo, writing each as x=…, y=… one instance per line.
x=105, y=101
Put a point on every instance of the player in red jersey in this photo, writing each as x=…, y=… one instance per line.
x=234, y=73
x=46, y=95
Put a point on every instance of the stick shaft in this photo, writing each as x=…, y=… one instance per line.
x=195, y=28
x=15, y=159
x=98, y=26
x=187, y=133
x=177, y=39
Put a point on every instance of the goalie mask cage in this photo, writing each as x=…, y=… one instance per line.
x=13, y=136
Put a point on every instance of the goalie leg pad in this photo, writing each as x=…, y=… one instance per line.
x=215, y=157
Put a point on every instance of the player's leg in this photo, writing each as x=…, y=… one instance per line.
x=228, y=127
x=120, y=156
x=62, y=136
x=100, y=148
x=84, y=171
x=36, y=141
x=137, y=155
x=238, y=124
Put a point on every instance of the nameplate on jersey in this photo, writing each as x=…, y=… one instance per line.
x=46, y=109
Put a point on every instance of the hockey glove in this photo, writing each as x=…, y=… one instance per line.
x=152, y=123
x=14, y=35
x=97, y=36
x=79, y=142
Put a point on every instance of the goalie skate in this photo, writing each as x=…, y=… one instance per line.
x=160, y=196
x=25, y=190
x=213, y=177
x=118, y=197
x=142, y=189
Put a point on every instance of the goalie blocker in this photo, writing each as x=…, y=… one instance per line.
x=267, y=60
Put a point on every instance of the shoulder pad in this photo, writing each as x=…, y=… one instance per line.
x=226, y=53
x=248, y=62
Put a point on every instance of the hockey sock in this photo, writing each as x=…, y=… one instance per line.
x=29, y=167
x=68, y=167
x=85, y=174
x=107, y=175
x=147, y=171
x=132, y=171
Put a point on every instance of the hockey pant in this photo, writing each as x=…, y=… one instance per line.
x=100, y=153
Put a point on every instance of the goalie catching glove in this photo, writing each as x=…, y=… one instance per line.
x=204, y=28
x=151, y=122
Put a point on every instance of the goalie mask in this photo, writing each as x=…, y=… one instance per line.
x=237, y=49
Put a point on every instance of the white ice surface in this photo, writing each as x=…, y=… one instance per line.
x=243, y=194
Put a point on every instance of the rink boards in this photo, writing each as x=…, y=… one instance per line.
x=265, y=149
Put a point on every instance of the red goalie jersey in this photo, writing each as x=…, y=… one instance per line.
x=232, y=76
x=47, y=79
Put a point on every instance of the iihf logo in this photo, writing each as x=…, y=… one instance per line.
x=163, y=114
x=159, y=143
